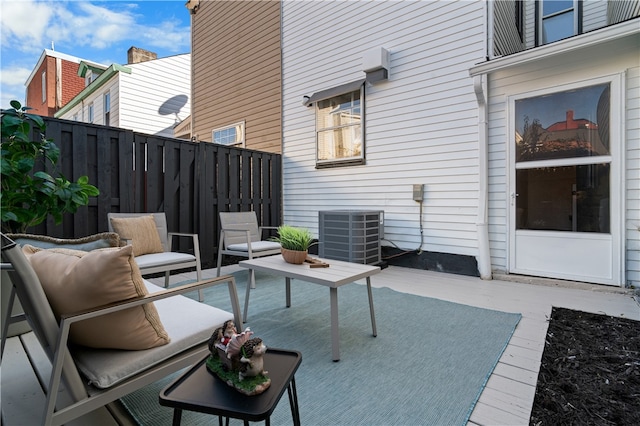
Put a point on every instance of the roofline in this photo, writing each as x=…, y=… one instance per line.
x=112, y=70
x=593, y=38
x=63, y=56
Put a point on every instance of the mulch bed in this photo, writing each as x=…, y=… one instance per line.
x=590, y=372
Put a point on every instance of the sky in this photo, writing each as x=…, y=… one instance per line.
x=98, y=31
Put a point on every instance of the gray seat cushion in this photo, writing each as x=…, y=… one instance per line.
x=255, y=246
x=163, y=259
x=188, y=324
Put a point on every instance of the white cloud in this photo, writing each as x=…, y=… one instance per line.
x=168, y=35
x=30, y=26
x=13, y=79
x=24, y=23
x=14, y=76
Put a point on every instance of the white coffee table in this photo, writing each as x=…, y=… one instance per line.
x=336, y=275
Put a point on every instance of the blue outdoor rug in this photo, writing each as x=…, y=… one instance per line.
x=427, y=366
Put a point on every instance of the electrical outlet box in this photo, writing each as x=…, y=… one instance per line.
x=418, y=190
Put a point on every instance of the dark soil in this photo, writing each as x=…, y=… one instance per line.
x=590, y=372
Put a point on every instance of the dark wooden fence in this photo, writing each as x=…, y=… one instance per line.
x=190, y=182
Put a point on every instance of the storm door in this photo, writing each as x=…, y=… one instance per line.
x=565, y=185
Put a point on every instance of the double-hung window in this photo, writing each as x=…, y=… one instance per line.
x=557, y=19
x=90, y=113
x=340, y=129
x=232, y=135
x=107, y=109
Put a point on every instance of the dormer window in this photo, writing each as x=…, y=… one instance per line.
x=557, y=19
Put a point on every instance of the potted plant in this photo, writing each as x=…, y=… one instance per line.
x=295, y=243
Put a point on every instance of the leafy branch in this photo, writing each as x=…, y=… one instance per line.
x=28, y=197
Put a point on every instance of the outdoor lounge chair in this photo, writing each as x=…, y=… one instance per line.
x=94, y=377
x=241, y=236
x=156, y=258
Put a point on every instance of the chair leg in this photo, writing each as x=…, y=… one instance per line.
x=219, y=264
x=167, y=275
x=220, y=245
x=199, y=278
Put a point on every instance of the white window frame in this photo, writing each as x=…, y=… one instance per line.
x=44, y=86
x=221, y=135
x=351, y=128
x=542, y=18
x=90, y=113
x=107, y=108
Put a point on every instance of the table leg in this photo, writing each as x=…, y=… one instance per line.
x=177, y=415
x=373, y=314
x=335, y=333
x=293, y=402
x=252, y=278
x=246, y=298
x=288, y=291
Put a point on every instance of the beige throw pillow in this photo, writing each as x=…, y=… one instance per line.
x=75, y=280
x=142, y=232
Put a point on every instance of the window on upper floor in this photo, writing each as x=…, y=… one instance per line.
x=89, y=77
x=557, y=19
x=107, y=109
x=519, y=4
x=339, y=129
x=90, y=113
x=44, y=86
x=232, y=135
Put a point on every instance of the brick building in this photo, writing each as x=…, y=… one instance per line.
x=54, y=81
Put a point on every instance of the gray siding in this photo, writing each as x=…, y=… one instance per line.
x=621, y=10
x=506, y=38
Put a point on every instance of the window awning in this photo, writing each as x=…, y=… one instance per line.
x=333, y=92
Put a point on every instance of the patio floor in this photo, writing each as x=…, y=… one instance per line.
x=508, y=396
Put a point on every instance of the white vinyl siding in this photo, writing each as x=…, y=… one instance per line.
x=594, y=14
x=632, y=133
x=151, y=99
x=155, y=96
x=553, y=72
x=421, y=125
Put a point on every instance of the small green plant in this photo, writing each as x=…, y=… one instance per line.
x=27, y=198
x=292, y=238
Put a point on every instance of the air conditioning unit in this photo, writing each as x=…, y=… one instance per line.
x=351, y=235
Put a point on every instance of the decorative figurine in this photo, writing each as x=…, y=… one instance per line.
x=251, y=361
x=237, y=358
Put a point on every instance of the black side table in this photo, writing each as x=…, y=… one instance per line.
x=200, y=390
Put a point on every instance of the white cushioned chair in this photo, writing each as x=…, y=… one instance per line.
x=241, y=236
x=162, y=258
x=94, y=377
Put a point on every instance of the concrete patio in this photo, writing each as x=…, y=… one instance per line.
x=508, y=396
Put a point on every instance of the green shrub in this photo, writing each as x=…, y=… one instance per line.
x=28, y=198
x=292, y=238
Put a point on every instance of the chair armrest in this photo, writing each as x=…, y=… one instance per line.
x=194, y=237
x=181, y=234
x=262, y=228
